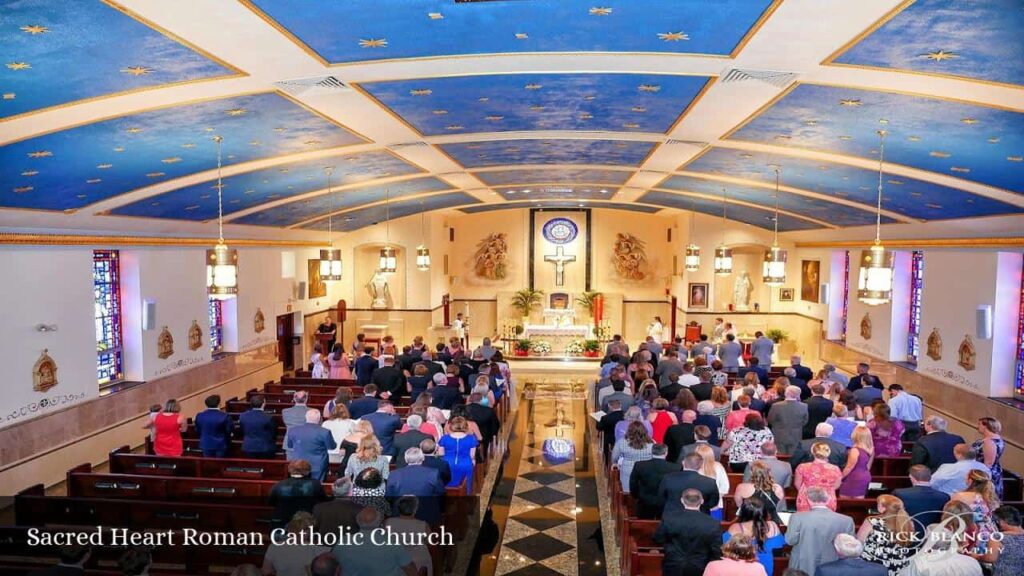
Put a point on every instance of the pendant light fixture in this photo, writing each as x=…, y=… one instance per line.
x=691, y=261
x=422, y=252
x=330, y=258
x=388, y=260
x=774, y=272
x=874, y=283
x=723, y=254
x=221, y=262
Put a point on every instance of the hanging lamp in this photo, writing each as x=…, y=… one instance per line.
x=388, y=259
x=221, y=262
x=330, y=258
x=774, y=270
x=691, y=262
x=874, y=283
x=723, y=254
x=422, y=252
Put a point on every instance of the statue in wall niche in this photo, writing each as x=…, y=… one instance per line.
x=741, y=291
x=935, y=345
x=195, y=336
x=164, y=344
x=44, y=373
x=865, y=326
x=629, y=257
x=491, y=258
x=380, y=292
x=967, y=353
x=259, y=322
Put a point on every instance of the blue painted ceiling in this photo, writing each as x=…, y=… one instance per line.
x=551, y=151
x=563, y=175
x=753, y=216
x=363, y=217
x=359, y=30
x=554, y=205
x=558, y=193
x=512, y=102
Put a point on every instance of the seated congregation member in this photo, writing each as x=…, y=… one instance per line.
x=850, y=563
x=339, y=512
x=458, y=447
x=843, y=425
x=259, y=432
x=922, y=502
x=486, y=420
x=635, y=446
x=989, y=449
x=360, y=555
x=886, y=433
x=299, y=492
x=606, y=426
x=822, y=433
x=420, y=481
x=713, y=469
x=365, y=364
x=71, y=561
x=811, y=532
x=407, y=521
x=952, y=478
x=679, y=435
x=819, y=409
x=389, y=379
x=743, y=445
x=444, y=395
x=787, y=419
x=338, y=364
x=857, y=472
x=706, y=417
x=632, y=414
x=410, y=438
x=739, y=558
x=781, y=470
x=764, y=488
x=691, y=538
x=214, y=427
x=645, y=479
x=293, y=559
x=167, y=427
x=368, y=490
x=661, y=419
x=753, y=522
x=818, y=473
x=385, y=425
x=888, y=537
x=674, y=484
x=935, y=447
x=1007, y=554
x=369, y=454
x=702, y=436
x=311, y=442
x=340, y=426
x=432, y=460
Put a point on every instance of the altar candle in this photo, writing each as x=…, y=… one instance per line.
x=598, y=309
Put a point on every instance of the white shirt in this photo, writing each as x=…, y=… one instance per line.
x=339, y=430
x=687, y=380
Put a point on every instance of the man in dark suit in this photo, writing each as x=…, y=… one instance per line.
x=485, y=419
x=849, y=550
x=365, y=365
x=673, y=485
x=385, y=425
x=802, y=372
x=417, y=480
x=922, y=502
x=427, y=359
x=409, y=439
x=362, y=406
x=389, y=380
x=72, y=561
x=800, y=383
x=645, y=480
x=679, y=435
x=444, y=396
x=702, y=391
x=258, y=430
x=214, y=427
x=935, y=448
x=431, y=460
x=298, y=492
x=822, y=433
x=671, y=390
x=691, y=537
x=311, y=442
x=405, y=360
x=819, y=409
x=864, y=378
x=339, y=512
x=606, y=425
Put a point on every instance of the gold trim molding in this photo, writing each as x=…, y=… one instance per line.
x=82, y=240
x=1008, y=242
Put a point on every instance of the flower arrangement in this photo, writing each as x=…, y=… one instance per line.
x=575, y=348
x=540, y=347
x=591, y=348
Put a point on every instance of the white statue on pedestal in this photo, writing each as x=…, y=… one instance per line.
x=379, y=291
x=741, y=292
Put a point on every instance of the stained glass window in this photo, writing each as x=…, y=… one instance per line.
x=846, y=291
x=216, y=326
x=1018, y=381
x=916, y=285
x=106, y=280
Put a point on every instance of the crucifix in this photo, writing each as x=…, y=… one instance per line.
x=560, y=259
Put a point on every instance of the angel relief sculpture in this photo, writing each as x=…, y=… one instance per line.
x=164, y=344
x=491, y=257
x=630, y=257
x=967, y=353
x=195, y=336
x=935, y=345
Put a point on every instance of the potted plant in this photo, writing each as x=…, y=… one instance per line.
x=522, y=347
x=776, y=335
x=574, y=348
x=591, y=348
x=526, y=300
x=588, y=300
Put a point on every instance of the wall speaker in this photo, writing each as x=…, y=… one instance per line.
x=300, y=291
x=983, y=318
x=148, y=315
x=823, y=297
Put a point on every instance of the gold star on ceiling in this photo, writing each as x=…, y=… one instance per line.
x=673, y=36
x=630, y=125
x=940, y=55
x=914, y=138
x=453, y=127
x=420, y=92
x=255, y=143
x=155, y=174
x=969, y=121
x=1015, y=158
x=495, y=118
x=94, y=181
x=236, y=111
x=209, y=130
x=171, y=160
x=30, y=172
x=373, y=43
x=35, y=29
x=104, y=166
x=313, y=142
x=586, y=116
x=435, y=15
x=119, y=149
x=851, y=102
x=649, y=88
x=993, y=140
x=783, y=137
x=810, y=122
x=533, y=86
x=136, y=70
x=439, y=112
x=280, y=129
x=192, y=207
x=596, y=11
x=22, y=189
x=536, y=108
x=522, y=36
x=19, y=65
x=845, y=137
x=960, y=169
x=938, y=154
x=9, y=95
x=133, y=130
x=188, y=145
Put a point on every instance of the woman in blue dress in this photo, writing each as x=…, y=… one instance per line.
x=754, y=520
x=458, y=448
x=990, y=449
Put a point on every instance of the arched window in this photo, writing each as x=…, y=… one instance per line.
x=106, y=280
x=916, y=285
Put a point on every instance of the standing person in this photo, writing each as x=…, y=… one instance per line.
x=763, y=488
x=294, y=416
x=357, y=346
x=923, y=503
x=842, y=424
x=713, y=469
x=299, y=492
x=781, y=470
x=691, y=538
x=744, y=444
x=857, y=473
x=888, y=536
x=329, y=327
x=661, y=419
x=989, y=449
x=906, y=408
x=675, y=484
x=864, y=378
x=787, y=419
x=850, y=562
x=312, y=443
x=258, y=430
x=458, y=448
x=340, y=425
x=886, y=433
x=168, y=426
x=762, y=349
x=802, y=372
x=319, y=370
x=819, y=409
x=635, y=446
x=214, y=427
x=656, y=329
x=935, y=447
x=423, y=482
x=952, y=478
x=812, y=532
x=385, y=425
x=980, y=496
x=731, y=354
x=1007, y=554
x=645, y=479
x=817, y=474
x=368, y=455
x=755, y=523
x=389, y=379
x=365, y=365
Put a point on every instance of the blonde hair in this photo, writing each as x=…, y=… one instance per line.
x=992, y=425
x=861, y=438
x=895, y=519
x=369, y=448
x=363, y=427
x=820, y=450
x=751, y=379
x=979, y=482
x=708, y=467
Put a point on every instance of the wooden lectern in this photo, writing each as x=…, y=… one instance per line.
x=324, y=340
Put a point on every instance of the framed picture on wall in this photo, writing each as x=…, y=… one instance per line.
x=698, y=295
x=317, y=288
x=810, y=275
x=786, y=294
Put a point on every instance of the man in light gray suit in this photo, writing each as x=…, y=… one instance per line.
x=294, y=416
x=762, y=349
x=782, y=472
x=812, y=533
x=787, y=419
x=730, y=353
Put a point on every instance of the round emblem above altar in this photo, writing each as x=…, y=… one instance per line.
x=560, y=231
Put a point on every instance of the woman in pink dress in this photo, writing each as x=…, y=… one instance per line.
x=886, y=433
x=817, y=473
x=338, y=362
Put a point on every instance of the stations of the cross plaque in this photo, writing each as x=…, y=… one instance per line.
x=559, y=259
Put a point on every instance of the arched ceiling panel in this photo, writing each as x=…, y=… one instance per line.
x=552, y=151
x=369, y=216
x=907, y=196
x=561, y=204
x=243, y=191
x=60, y=52
x=746, y=214
x=977, y=143
x=558, y=193
x=360, y=30
x=83, y=165
x=981, y=39
x=516, y=102
x=564, y=175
